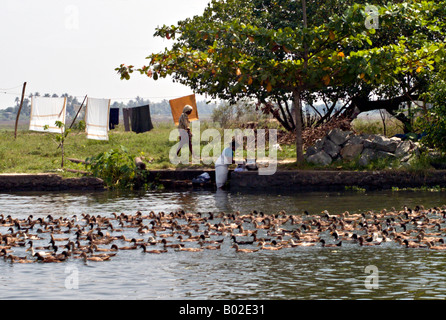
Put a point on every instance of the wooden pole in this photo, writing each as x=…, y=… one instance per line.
x=72, y=123
x=20, y=109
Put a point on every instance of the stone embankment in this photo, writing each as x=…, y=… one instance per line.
x=47, y=182
x=331, y=180
x=347, y=146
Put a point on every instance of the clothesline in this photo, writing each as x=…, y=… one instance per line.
x=115, y=99
x=111, y=98
x=99, y=116
x=11, y=93
x=11, y=88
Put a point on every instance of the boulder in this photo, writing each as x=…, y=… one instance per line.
x=351, y=151
x=320, y=158
x=367, y=155
x=403, y=148
x=355, y=140
x=382, y=143
x=368, y=147
x=384, y=155
x=331, y=148
x=311, y=151
x=319, y=144
x=338, y=136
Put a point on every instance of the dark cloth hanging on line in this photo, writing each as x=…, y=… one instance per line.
x=141, y=120
x=114, y=118
x=127, y=113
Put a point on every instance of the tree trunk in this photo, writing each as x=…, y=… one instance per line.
x=297, y=98
x=298, y=112
x=63, y=154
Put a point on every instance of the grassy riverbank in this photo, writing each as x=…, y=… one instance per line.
x=33, y=152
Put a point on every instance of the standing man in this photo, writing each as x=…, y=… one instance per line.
x=184, y=129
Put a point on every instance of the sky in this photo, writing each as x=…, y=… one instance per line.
x=59, y=46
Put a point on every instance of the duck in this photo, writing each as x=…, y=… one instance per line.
x=4, y=252
x=432, y=246
x=39, y=253
x=367, y=244
x=328, y=216
x=414, y=245
x=423, y=237
x=124, y=238
x=272, y=247
x=156, y=251
x=62, y=256
x=325, y=245
x=346, y=236
x=246, y=250
x=306, y=238
x=151, y=241
x=95, y=258
x=173, y=245
x=101, y=255
x=203, y=240
x=294, y=244
x=209, y=247
x=244, y=232
x=190, y=239
x=242, y=242
x=143, y=230
x=95, y=248
x=262, y=226
x=14, y=259
x=114, y=246
x=189, y=249
x=58, y=239
x=48, y=258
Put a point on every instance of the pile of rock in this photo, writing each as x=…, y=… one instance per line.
x=347, y=146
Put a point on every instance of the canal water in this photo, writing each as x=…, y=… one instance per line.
x=388, y=271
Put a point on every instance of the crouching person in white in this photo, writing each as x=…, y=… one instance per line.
x=222, y=164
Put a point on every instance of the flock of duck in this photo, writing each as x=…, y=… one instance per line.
x=100, y=238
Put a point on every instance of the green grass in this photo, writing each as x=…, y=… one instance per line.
x=34, y=152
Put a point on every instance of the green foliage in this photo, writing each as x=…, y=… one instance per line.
x=60, y=138
x=117, y=168
x=79, y=126
x=434, y=121
x=355, y=188
x=262, y=50
x=33, y=152
x=424, y=188
x=253, y=48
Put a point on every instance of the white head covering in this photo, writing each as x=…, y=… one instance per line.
x=187, y=108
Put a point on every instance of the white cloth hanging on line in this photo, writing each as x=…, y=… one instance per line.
x=45, y=111
x=97, y=118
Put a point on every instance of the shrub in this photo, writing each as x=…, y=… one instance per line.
x=117, y=168
x=434, y=123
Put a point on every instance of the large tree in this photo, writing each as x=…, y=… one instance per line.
x=270, y=51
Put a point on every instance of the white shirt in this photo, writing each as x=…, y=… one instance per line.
x=225, y=158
